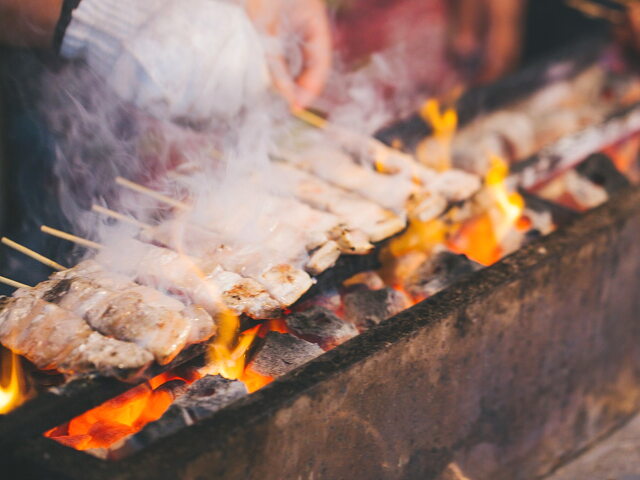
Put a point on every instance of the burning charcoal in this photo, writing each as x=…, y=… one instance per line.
x=319, y=325
x=599, y=169
x=439, y=272
x=210, y=394
x=280, y=353
x=537, y=206
x=366, y=308
x=200, y=400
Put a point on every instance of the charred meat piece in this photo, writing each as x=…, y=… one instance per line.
x=52, y=337
x=319, y=325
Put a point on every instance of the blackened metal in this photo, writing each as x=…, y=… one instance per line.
x=599, y=169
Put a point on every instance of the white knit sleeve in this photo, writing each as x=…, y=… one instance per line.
x=98, y=28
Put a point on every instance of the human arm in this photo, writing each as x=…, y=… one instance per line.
x=29, y=23
x=488, y=34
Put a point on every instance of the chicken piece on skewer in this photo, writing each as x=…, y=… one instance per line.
x=202, y=326
x=356, y=211
x=189, y=276
x=52, y=337
x=281, y=252
x=338, y=168
x=122, y=315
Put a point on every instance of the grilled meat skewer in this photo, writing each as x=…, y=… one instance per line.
x=128, y=314
x=213, y=288
x=356, y=211
x=52, y=337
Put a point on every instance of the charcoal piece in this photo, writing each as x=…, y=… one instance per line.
x=366, y=308
x=560, y=214
x=599, y=169
x=210, y=394
x=439, y=272
x=319, y=325
x=279, y=353
x=200, y=400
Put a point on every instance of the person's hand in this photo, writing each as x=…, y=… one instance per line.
x=296, y=27
x=187, y=60
x=628, y=31
x=485, y=36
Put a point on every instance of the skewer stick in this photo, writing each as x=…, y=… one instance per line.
x=136, y=187
x=71, y=238
x=13, y=283
x=311, y=118
x=119, y=216
x=595, y=10
x=30, y=253
x=317, y=121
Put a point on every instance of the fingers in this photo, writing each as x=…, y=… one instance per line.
x=307, y=20
x=628, y=33
x=317, y=61
x=504, y=38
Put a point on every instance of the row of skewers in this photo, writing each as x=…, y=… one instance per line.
x=116, y=318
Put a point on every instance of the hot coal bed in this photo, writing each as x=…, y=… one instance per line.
x=505, y=374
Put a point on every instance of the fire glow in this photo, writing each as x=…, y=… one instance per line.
x=481, y=237
x=228, y=354
x=121, y=416
x=12, y=385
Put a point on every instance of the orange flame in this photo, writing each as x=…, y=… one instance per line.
x=444, y=123
x=119, y=417
x=481, y=237
x=12, y=385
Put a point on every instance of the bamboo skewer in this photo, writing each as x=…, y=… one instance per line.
x=136, y=187
x=70, y=238
x=596, y=10
x=13, y=283
x=311, y=118
x=119, y=216
x=30, y=253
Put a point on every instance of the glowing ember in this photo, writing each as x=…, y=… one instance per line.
x=477, y=240
x=119, y=417
x=482, y=237
x=12, y=386
x=509, y=205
